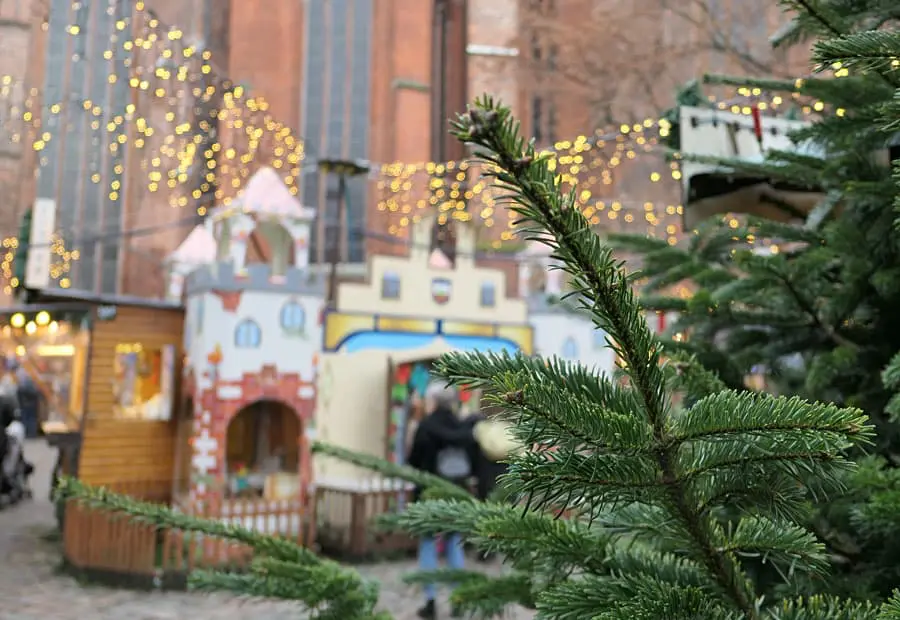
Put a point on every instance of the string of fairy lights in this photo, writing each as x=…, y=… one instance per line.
x=586, y=163
x=166, y=125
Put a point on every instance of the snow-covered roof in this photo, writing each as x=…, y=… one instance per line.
x=199, y=248
x=266, y=194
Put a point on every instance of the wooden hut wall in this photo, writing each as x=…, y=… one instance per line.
x=132, y=455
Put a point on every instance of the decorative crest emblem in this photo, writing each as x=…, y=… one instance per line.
x=441, y=289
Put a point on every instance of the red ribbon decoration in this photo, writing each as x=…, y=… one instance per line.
x=757, y=125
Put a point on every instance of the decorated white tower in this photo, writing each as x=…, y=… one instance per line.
x=252, y=336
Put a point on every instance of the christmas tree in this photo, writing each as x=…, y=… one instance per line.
x=815, y=310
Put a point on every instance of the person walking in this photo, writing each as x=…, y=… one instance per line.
x=442, y=445
x=29, y=402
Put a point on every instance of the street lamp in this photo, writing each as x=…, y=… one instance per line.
x=344, y=169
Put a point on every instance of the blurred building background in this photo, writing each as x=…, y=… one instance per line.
x=123, y=111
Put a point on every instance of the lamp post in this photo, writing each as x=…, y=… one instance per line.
x=336, y=249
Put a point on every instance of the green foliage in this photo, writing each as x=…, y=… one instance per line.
x=891, y=609
x=437, y=487
x=826, y=19
x=622, y=459
x=818, y=316
x=872, y=52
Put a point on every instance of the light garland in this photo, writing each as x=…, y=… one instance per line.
x=169, y=148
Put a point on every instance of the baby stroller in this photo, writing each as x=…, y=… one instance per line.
x=14, y=469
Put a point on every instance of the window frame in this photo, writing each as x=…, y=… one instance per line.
x=293, y=308
x=391, y=278
x=491, y=289
x=570, y=345
x=253, y=340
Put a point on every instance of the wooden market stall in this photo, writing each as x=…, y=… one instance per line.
x=107, y=369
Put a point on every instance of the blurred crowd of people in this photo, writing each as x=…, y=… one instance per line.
x=17, y=383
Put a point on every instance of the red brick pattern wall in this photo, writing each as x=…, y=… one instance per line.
x=270, y=384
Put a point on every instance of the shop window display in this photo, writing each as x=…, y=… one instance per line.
x=45, y=361
x=143, y=382
x=408, y=383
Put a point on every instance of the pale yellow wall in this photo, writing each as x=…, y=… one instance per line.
x=416, y=279
x=352, y=407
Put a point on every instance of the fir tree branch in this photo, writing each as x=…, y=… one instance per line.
x=769, y=85
x=534, y=391
x=758, y=414
x=810, y=311
x=890, y=376
x=777, y=542
x=329, y=597
x=487, y=597
x=435, y=485
x=820, y=607
x=876, y=50
x=697, y=380
x=443, y=516
x=891, y=609
x=534, y=196
x=815, y=12
x=355, y=597
x=163, y=517
x=828, y=22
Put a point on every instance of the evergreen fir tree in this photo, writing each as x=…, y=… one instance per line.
x=819, y=315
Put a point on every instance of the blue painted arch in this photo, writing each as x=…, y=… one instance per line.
x=402, y=341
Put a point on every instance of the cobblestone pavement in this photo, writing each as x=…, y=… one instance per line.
x=31, y=588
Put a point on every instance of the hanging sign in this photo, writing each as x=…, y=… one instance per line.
x=43, y=223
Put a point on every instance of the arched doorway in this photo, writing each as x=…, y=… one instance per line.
x=262, y=451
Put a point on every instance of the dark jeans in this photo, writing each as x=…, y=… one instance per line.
x=488, y=472
x=30, y=420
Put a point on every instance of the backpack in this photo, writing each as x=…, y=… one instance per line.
x=453, y=464
x=495, y=439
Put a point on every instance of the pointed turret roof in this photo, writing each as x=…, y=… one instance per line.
x=439, y=260
x=267, y=194
x=197, y=249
